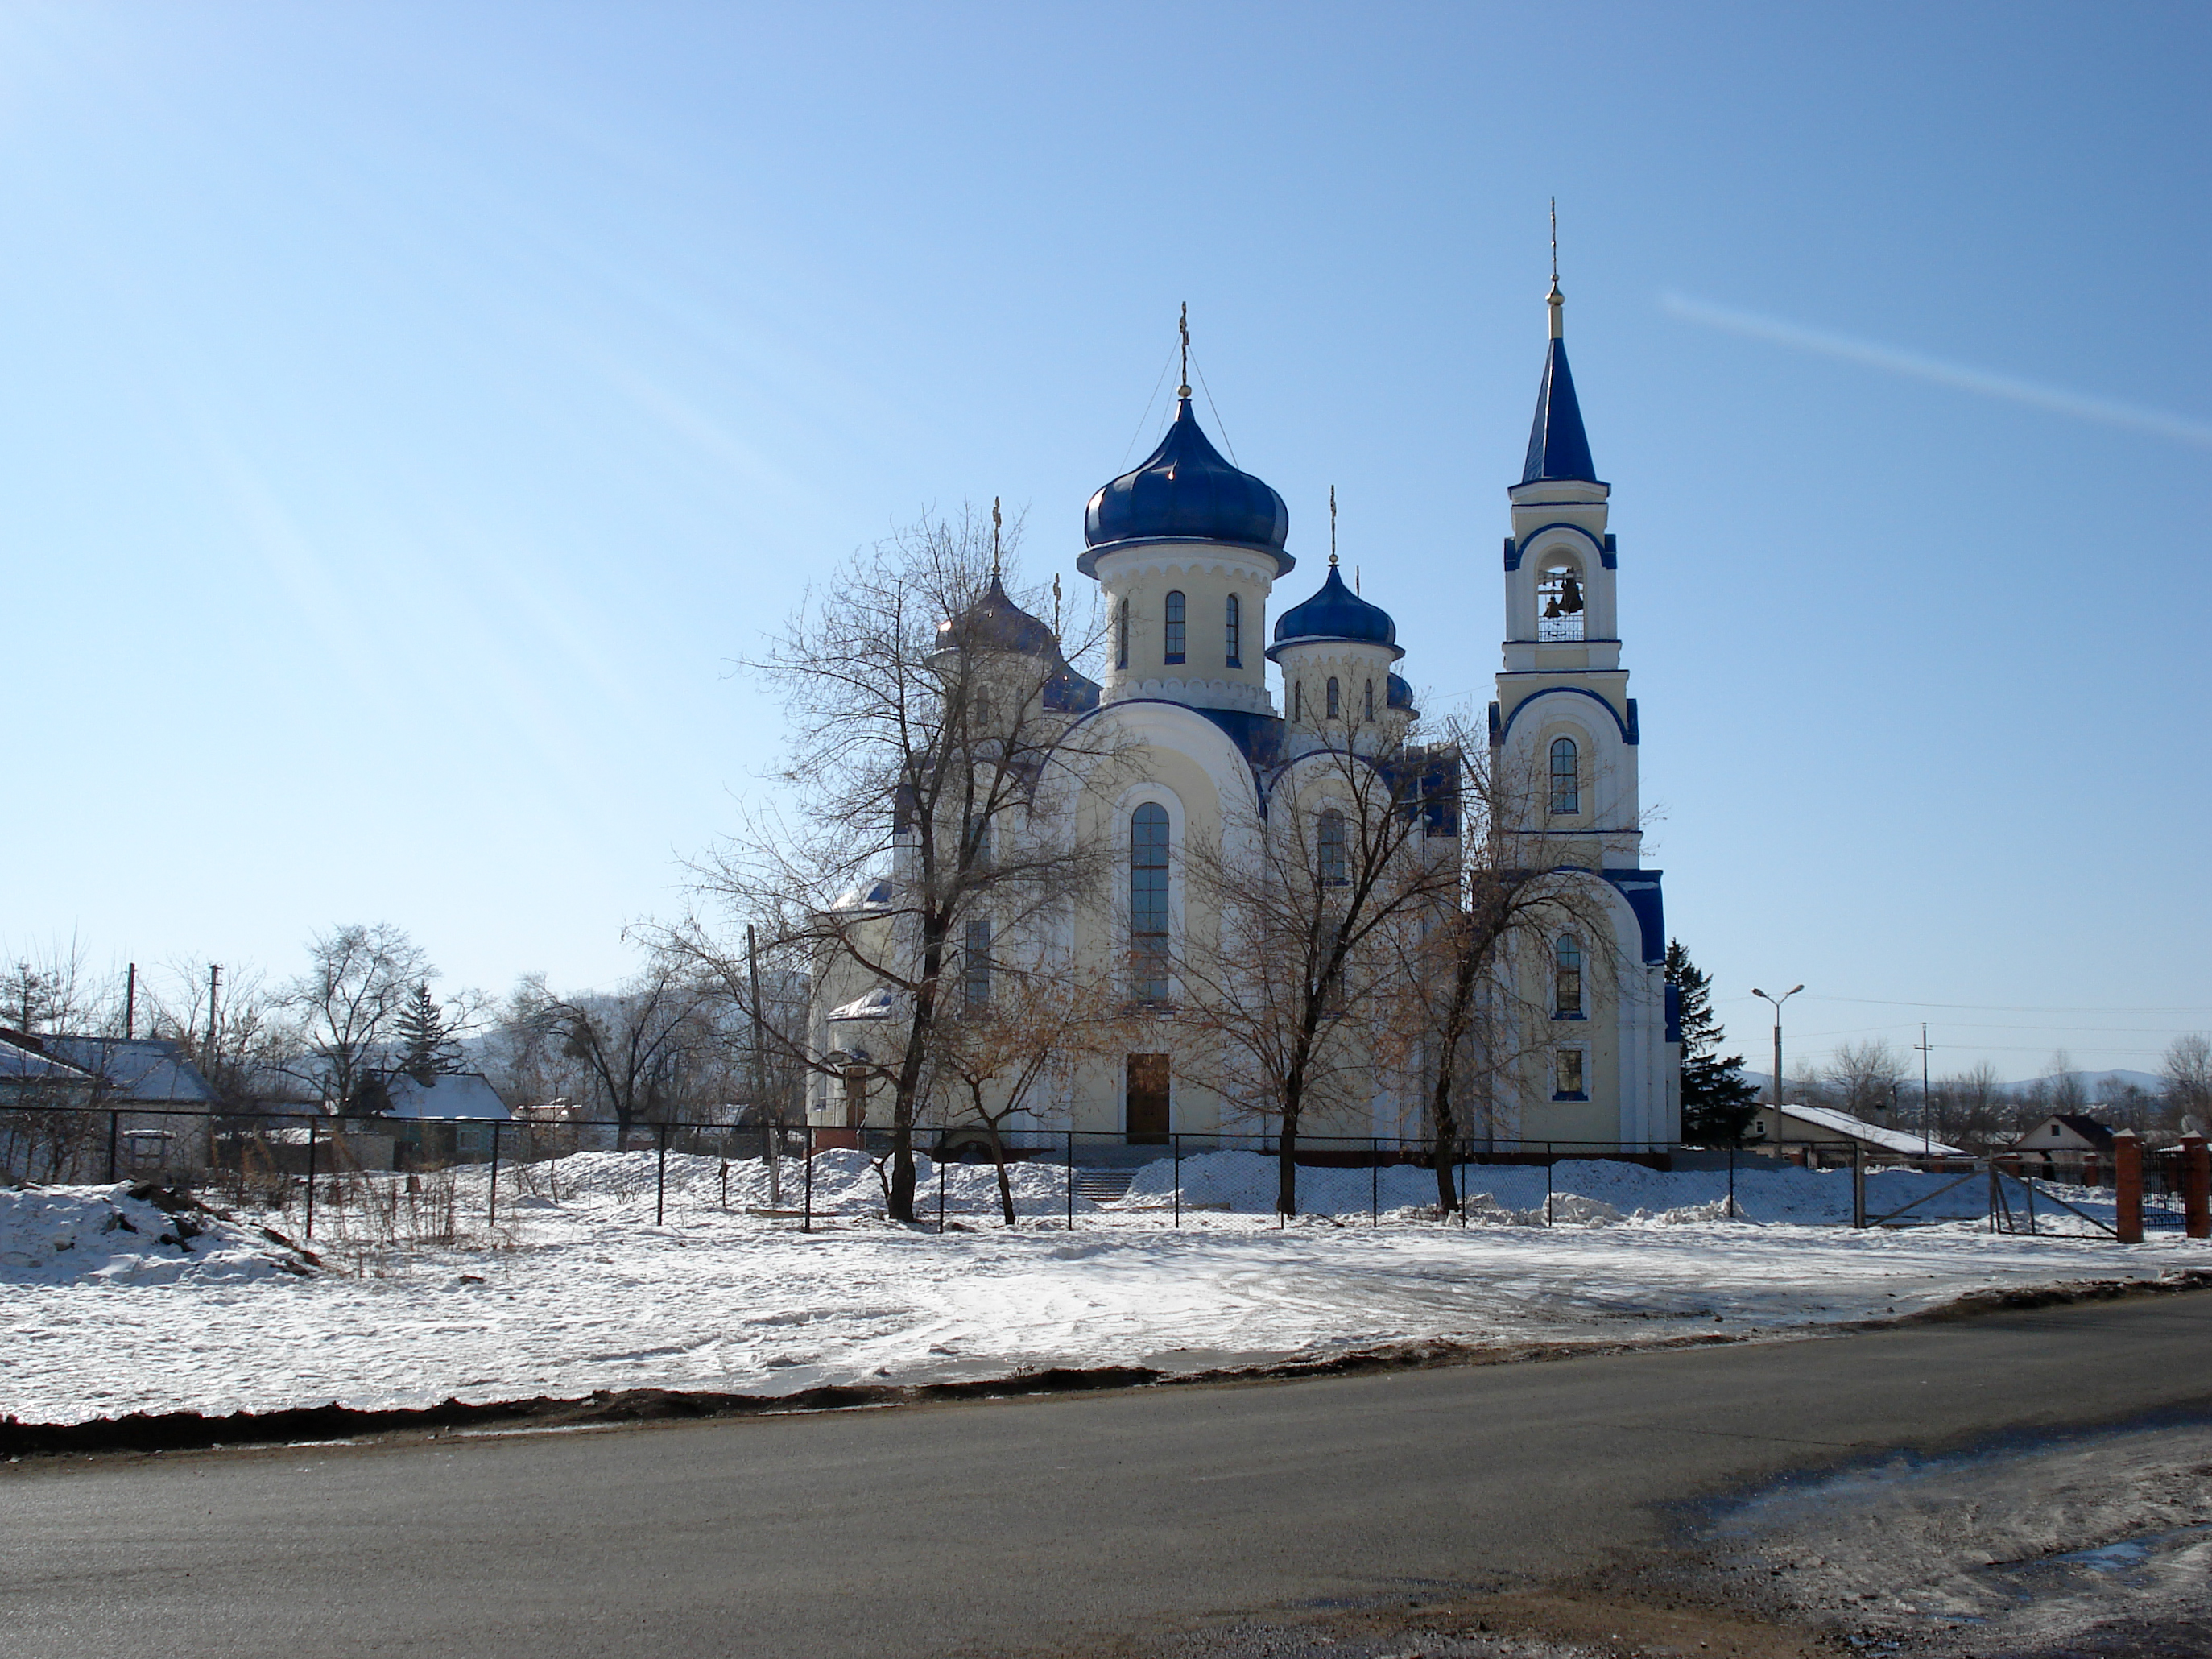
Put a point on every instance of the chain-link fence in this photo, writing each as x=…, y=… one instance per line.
x=375, y=1184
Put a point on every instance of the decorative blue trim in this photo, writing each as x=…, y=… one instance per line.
x=1635, y=731
x=1514, y=549
x=1577, y=1095
x=1674, y=1013
x=1497, y=732
x=1609, y=555
x=1627, y=728
x=1641, y=889
x=1558, y=1016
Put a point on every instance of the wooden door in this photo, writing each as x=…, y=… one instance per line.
x=1148, y=1100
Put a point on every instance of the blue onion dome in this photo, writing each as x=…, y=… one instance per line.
x=996, y=622
x=1401, y=696
x=1069, y=693
x=1336, y=613
x=1184, y=491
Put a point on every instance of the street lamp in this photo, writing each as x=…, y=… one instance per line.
x=1778, y=1002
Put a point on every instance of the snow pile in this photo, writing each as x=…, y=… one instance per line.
x=130, y=1235
x=846, y=1184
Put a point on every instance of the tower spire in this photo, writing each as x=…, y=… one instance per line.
x=1332, y=526
x=1183, y=324
x=1555, y=299
x=995, y=522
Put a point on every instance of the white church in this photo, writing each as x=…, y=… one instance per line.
x=1188, y=550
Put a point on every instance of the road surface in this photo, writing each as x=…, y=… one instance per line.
x=1030, y=1526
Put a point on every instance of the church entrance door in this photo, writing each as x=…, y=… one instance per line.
x=1148, y=1100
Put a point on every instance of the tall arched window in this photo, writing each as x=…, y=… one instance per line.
x=1335, y=867
x=1566, y=776
x=1298, y=701
x=1333, y=709
x=1175, y=627
x=1566, y=978
x=975, y=964
x=1371, y=703
x=1233, y=625
x=1148, y=903
x=1121, y=635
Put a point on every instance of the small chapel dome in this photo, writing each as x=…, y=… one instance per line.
x=996, y=622
x=1401, y=696
x=1334, y=613
x=1185, y=491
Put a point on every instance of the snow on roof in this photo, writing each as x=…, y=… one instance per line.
x=151, y=1070
x=456, y=1094
x=878, y=1004
x=1857, y=1128
x=19, y=1064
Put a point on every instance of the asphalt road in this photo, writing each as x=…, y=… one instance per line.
x=1011, y=1527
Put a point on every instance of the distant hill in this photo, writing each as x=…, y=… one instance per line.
x=2095, y=1086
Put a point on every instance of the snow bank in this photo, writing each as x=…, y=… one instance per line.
x=130, y=1235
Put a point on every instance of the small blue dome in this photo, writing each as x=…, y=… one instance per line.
x=996, y=622
x=1401, y=696
x=1334, y=613
x=1185, y=491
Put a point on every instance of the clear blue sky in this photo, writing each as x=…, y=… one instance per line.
x=408, y=410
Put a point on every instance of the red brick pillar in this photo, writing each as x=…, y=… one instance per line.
x=2197, y=1186
x=2092, y=1170
x=2127, y=1185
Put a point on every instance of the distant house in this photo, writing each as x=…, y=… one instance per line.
x=112, y=1075
x=2072, y=1144
x=29, y=1078
x=446, y=1115
x=1822, y=1134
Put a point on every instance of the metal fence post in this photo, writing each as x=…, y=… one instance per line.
x=1176, y=1151
x=1071, y=1181
x=113, y=1120
x=1548, y=1183
x=807, y=1224
x=1858, y=1185
x=940, y=1191
x=660, y=1177
x=491, y=1204
x=1374, y=1181
x=311, y=1178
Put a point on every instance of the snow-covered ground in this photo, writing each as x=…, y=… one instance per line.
x=574, y=1289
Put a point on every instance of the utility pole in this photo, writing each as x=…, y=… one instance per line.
x=1927, y=1130
x=760, y=1069
x=214, y=974
x=131, y=1003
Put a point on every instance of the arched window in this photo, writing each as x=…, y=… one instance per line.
x=1566, y=978
x=1121, y=635
x=1333, y=710
x=1175, y=627
x=1148, y=903
x=1335, y=867
x=1559, y=609
x=1371, y=703
x=1566, y=776
x=1298, y=701
x=1233, y=624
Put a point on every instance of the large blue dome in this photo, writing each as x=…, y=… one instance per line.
x=1184, y=491
x=1334, y=613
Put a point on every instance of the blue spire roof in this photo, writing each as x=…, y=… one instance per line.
x=1334, y=613
x=1185, y=491
x=1401, y=696
x=1558, y=448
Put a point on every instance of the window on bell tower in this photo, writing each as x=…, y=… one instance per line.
x=1175, y=627
x=1332, y=696
x=1560, y=608
x=1566, y=776
x=1233, y=622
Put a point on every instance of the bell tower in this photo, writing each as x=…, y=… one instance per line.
x=1565, y=742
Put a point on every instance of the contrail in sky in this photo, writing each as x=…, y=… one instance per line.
x=1933, y=368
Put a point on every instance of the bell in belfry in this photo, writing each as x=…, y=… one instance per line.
x=1570, y=597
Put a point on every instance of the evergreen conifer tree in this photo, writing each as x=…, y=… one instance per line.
x=1717, y=1105
x=427, y=1045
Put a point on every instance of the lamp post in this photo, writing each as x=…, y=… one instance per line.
x=1778, y=1002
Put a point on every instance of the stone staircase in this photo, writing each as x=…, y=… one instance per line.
x=1104, y=1186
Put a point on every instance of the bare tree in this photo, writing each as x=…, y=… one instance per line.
x=358, y=979
x=632, y=1048
x=1319, y=903
x=1866, y=1075
x=1971, y=1108
x=2187, y=1074
x=54, y=990
x=928, y=711
x=247, y=1045
x=1018, y=1031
